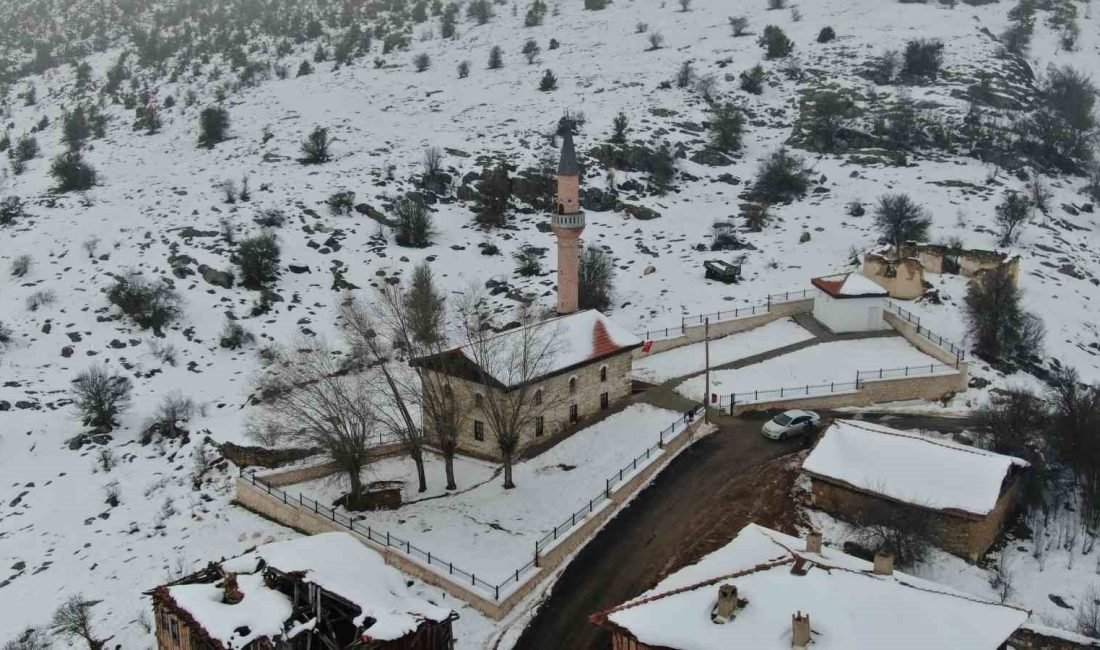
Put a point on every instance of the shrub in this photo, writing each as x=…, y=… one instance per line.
x=884, y=69
x=100, y=397
x=902, y=531
x=826, y=34
x=480, y=10
x=535, y=12
x=40, y=299
x=1001, y=330
x=20, y=265
x=548, y=82
x=170, y=417
x=595, y=5
x=1012, y=213
x=11, y=208
x=1017, y=38
x=831, y=110
x=662, y=170
x=496, y=58
x=414, y=223
x=422, y=62
x=684, y=75
x=463, y=69
x=656, y=40
x=902, y=128
x=304, y=68
x=235, y=336
x=72, y=172
x=150, y=304
x=342, y=202
x=5, y=334
x=923, y=58
x=315, y=148
x=494, y=192
x=531, y=50
x=780, y=176
x=900, y=219
x=528, y=260
x=727, y=125
x=775, y=43
x=739, y=25
x=752, y=80
x=257, y=258
x=213, y=126
x=596, y=279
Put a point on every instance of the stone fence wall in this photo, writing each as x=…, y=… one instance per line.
x=313, y=472
x=696, y=333
x=1034, y=637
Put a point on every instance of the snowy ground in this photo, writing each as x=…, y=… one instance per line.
x=490, y=531
x=836, y=361
x=154, y=186
x=690, y=359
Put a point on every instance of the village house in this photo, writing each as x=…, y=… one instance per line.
x=964, y=496
x=902, y=272
x=586, y=372
x=324, y=591
x=849, y=302
x=769, y=591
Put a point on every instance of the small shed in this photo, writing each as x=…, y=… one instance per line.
x=849, y=302
x=722, y=271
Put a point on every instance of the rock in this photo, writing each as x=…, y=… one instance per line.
x=1087, y=208
x=223, y=279
x=805, y=237
x=73, y=336
x=1070, y=209
x=728, y=179
x=1059, y=601
x=5, y=405
x=270, y=296
x=294, y=268
x=116, y=344
x=67, y=351
x=597, y=200
x=190, y=232
x=649, y=270
x=46, y=328
x=641, y=213
x=709, y=158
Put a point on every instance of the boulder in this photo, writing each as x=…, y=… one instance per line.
x=223, y=279
x=641, y=213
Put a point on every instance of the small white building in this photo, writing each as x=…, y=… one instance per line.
x=849, y=302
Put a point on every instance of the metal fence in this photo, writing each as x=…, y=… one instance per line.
x=457, y=574
x=913, y=319
x=812, y=390
x=693, y=320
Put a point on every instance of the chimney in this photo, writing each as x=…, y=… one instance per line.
x=884, y=564
x=231, y=593
x=800, y=630
x=813, y=542
x=726, y=609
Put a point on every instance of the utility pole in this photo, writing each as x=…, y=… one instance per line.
x=706, y=353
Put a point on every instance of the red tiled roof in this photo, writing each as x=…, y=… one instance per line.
x=602, y=343
x=831, y=287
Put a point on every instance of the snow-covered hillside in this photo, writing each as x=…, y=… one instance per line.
x=159, y=201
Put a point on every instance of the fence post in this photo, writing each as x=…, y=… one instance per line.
x=536, y=556
x=496, y=592
x=607, y=488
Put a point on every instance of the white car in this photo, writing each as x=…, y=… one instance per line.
x=791, y=423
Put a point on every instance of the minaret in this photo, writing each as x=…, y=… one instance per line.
x=568, y=224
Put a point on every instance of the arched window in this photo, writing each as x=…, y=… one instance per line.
x=478, y=400
x=572, y=385
x=603, y=373
x=538, y=397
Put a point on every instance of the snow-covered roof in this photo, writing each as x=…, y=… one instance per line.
x=336, y=562
x=848, y=605
x=910, y=468
x=571, y=341
x=848, y=285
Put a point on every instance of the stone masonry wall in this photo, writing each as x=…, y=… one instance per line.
x=926, y=387
x=696, y=333
x=1029, y=639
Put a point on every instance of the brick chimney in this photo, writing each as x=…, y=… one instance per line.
x=800, y=630
x=813, y=542
x=726, y=609
x=231, y=593
x=884, y=564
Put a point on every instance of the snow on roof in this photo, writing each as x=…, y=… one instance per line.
x=848, y=285
x=577, y=338
x=336, y=562
x=910, y=468
x=848, y=605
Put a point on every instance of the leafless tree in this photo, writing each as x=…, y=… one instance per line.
x=898, y=529
x=508, y=367
x=1088, y=613
x=32, y=638
x=73, y=620
x=1003, y=575
x=1076, y=419
x=316, y=403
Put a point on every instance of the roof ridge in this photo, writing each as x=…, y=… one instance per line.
x=897, y=433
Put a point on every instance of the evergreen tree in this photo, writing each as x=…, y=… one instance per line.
x=213, y=125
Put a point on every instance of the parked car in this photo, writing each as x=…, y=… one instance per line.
x=791, y=423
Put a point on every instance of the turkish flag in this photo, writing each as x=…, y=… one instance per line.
x=647, y=347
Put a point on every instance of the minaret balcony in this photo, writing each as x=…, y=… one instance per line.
x=571, y=221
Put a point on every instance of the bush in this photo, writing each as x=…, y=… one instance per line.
x=727, y=125
x=1012, y=213
x=528, y=260
x=684, y=75
x=342, y=202
x=496, y=58
x=480, y=10
x=257, y=258
x=899, y=220
x=830, y=111
x=100, y=397
x=548, y=82
x=619, y=128
x=884, y=69
x=775, y=43
x=923, y=58
x=20, y=265
x=422, y=62
x=826, y=34
x=494, y=192
x=662, y=168
x=595, y=5
x=752, y=80
x=213, y=126
x=900, y=530
x=535, y=12
x=315, y=148
x=235, y=336
x=11, y=208
x=170, y=417
x=780, y=176
x=72, y=173
x=150, y=304
x=530, y=51
x=1003, y=333
x=739, y=25
x=902, y=128
x=40, y=299
x=463, y=69
x=5, y=334
x=414, y=223
x=596, y=279
x=304, y=68
x=656, y=40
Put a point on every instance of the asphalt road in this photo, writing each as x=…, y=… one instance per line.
x=633, y=550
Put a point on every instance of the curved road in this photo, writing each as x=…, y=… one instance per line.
x=633, y=550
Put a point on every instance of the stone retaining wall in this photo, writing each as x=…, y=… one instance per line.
x=695, y=333
x=306, y=521
x=314, y=472
x=909, y=332
x=870, y=392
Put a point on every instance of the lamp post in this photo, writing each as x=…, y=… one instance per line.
x=706, y=355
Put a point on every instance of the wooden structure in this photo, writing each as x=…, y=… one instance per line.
x=722, y=271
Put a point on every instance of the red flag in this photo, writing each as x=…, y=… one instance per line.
x=647, y=347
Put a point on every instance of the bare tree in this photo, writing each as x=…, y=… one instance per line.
x=1088, y=613
x=1076, y=419
x=508, y=365
x=1003, y=574
x=316, y=403
x=32, y=638
x=1013, y=212
x=900, y=219
x=898, y=529
x=73, y=620
x=100, y=397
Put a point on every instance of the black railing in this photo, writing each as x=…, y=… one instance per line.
x=915, y=320
x=695, y=320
